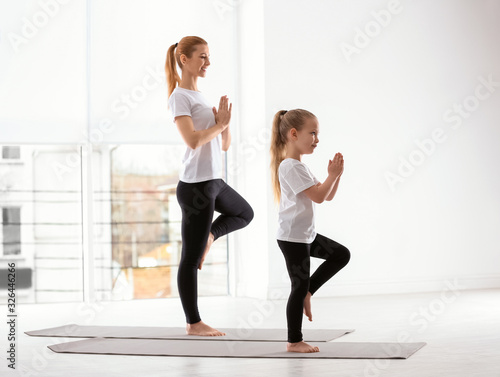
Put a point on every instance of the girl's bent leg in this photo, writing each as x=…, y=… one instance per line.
x=298, y=266
x=336, y=257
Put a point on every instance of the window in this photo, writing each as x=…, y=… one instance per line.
x=11, y=231
x=133, y=236
x=13, y=153
x=41, y=221
x=137, y=225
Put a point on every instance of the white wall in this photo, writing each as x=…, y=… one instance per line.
x=49, y=95
x=409, y=227
x=42, y=71
x=129, y=41
x=376, y=98
x=248, y=155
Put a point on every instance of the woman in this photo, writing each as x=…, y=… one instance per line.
x=200, y=190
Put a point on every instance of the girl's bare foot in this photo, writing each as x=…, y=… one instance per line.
x=301, y=347
x=210, y=241
x=202, y=329
x=307, y=306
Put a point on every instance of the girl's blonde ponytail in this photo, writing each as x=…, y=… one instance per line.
x=277, y=151
x=283, y=122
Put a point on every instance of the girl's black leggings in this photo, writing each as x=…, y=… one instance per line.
x=198, y=202
x=297, y=257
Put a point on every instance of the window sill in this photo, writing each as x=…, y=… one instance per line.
x=12, y=258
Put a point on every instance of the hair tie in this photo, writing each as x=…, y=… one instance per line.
x=285, y=111
x=176, y=45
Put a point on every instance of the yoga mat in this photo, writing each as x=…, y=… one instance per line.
x=134, y=332
x=196, y=348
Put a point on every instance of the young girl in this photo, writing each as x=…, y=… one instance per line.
x=200, y=190
x=294, y=134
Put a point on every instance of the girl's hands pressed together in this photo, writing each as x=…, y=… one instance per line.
x=336, y=166
x=223, y=115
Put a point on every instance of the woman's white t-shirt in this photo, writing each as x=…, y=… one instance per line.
x=205, y=162
x=296, y=211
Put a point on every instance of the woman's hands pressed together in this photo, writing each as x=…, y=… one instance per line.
x=223, y=115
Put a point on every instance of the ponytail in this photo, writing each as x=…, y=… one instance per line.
x=186, y=46
x=283, y=122
x=277, y=150
x=171, y=70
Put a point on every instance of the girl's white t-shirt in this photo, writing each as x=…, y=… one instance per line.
x=296, y=210
x=205, y=162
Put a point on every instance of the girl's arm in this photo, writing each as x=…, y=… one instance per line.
x=334, y=190
x=336, y=185
x=327, y=189
x=319, y=193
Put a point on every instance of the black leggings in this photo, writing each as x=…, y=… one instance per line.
x=198, y=202
x=297, y=257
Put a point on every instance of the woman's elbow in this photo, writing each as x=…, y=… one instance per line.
x=193, y=143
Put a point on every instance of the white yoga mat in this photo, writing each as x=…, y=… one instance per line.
x=196, y=348
x=134, y=332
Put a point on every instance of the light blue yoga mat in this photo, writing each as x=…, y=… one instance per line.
x=139, y=332
x=197, y=348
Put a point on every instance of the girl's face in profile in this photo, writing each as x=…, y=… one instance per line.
x=198, y=63
x=307, y=138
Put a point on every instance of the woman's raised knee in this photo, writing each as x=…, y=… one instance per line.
x=248, y=215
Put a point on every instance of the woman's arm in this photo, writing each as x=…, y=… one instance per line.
x=224, y=116
x=193, y=138
x=226, y=139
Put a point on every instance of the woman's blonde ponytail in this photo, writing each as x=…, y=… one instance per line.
x=173, y=78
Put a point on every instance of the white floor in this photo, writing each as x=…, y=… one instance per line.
x=462, y=331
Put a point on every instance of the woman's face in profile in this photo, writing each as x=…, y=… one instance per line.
x=198, y=63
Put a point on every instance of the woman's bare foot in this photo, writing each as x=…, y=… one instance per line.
x=202, y=329
x=210, y=241
x=307, y=306
x=301, y=347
